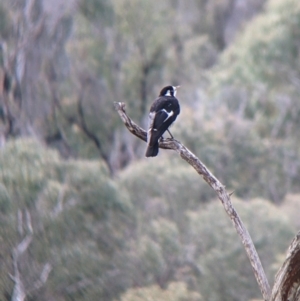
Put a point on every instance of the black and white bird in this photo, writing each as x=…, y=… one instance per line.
x=163, y=113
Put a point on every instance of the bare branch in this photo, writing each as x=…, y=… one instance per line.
x=19, y=293
x=20, y=222
x=59, y=206
x=43, y=277
x=23, y=246
x=28, y=221
x=60, y=198
x=217, y=186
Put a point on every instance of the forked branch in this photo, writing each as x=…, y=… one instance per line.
x=216, y=185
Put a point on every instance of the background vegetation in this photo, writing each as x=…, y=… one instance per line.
x=91, y=217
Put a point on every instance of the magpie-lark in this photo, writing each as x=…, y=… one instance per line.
x=163, y=113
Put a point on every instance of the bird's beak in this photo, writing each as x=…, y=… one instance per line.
x=177, y=87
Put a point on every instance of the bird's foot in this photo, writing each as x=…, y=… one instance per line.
x=162, y=139
x=170, y=134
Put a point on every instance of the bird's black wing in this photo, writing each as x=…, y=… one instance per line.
x=160, y=119
x=162, y=114
x=166, y=112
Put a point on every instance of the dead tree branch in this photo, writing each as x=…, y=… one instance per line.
x=43, y=277
x=217, y=186
x=20, y=293
x=287, y=280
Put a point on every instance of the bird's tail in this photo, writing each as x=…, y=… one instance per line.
x=152, y=150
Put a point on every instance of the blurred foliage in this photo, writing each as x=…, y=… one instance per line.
x=159, y=191
x=176, y=291
x=257, y=80
x=263, y=64
x=104, y=237
x=291, y=207
x=97, y=10
x=217, y=249
x=77, y=214
x=235, y=152
x=267, y=52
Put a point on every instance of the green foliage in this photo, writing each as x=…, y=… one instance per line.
x=167, y=235
x=267, y=50
x=78, y=215
x=161, y=188
x=231, y=147
x=97, y=10
x=151, y=259
x=25, y=170
x=81, y=220
x=262, y=68
x=156, y=250
x=291, y=207
x=257, y=81
x=145, y=30
x=218, y=249
x=176, y=291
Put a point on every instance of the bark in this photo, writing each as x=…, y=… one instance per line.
x=20, y=293
x=287, y=280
